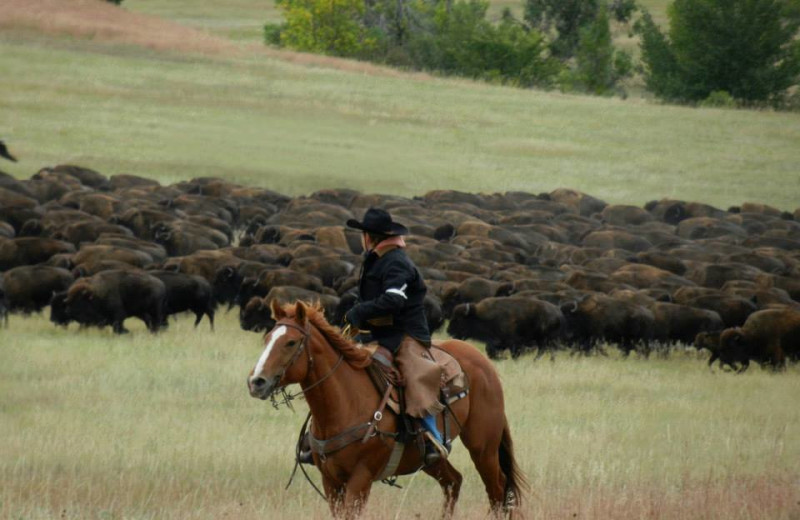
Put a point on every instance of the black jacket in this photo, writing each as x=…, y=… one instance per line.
x=390, y=303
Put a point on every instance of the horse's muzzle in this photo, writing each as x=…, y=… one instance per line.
x=261, y=387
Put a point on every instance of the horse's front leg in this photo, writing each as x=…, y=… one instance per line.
x=357, y=492
x=334, y=493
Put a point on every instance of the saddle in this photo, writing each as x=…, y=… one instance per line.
x=454, y=384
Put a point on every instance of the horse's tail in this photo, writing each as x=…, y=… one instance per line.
x=516, y=482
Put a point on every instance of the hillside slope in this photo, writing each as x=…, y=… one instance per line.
x=86, y=82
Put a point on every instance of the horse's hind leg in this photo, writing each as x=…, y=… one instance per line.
x=450, y=480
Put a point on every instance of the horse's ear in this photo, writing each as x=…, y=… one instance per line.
x=300, y=312
x=277, y=310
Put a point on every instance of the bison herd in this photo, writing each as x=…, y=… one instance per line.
x=519, y=271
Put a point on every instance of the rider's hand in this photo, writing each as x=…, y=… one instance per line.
x=350, y=317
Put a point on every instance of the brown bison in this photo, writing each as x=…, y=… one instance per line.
x=109, y=297
x=508, y=323
x=29, y=288
x=769, y=337
x=30, y=250
x=256, y=314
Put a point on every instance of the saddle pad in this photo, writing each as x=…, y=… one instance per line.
x=454, y=380
x=454, y=383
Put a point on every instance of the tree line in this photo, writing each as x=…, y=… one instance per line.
x=713, y=52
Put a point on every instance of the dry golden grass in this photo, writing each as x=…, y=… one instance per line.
x=102, y=21
x=96, y=426
x=105, y=21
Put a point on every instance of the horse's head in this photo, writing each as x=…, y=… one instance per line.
x=283, y=346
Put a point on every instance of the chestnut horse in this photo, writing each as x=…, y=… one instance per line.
x=303, y=348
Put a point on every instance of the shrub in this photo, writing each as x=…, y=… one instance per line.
x=325, y=26
x=719, y=99
x=748, y=48
x=272, y=33
x=598, y=66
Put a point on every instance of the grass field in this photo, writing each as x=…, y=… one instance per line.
x=297, y=128
x=162, y=427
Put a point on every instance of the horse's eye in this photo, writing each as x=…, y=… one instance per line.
x=291, y=343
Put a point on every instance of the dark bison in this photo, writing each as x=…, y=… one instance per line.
x=109, y=297
x=472, y=290
x=511, y=323
x=29, y=288
x=681, y=324
x=256, y=314
x=30, y=250
x=187, y=292
x=599, y=318
x=769, y=337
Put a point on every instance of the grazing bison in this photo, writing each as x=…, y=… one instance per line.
x=472, y=290
x=512, y=323
x=675, y=323
x=769, y=337
x=267, y=280
x=256, y=314
x=30, y=250
x=186, y=292
x=29, y=288
x=109, y=297
x=599, y=318
x=732, y=309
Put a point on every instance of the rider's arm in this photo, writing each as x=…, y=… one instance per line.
x=395, y=281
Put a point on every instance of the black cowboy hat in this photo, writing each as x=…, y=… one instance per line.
x=378, y=221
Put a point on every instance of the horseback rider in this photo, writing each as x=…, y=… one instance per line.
x=390, y=306
x=390, y=312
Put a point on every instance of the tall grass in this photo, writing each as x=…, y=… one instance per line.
x=142, y=426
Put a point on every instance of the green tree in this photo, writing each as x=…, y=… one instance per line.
x=598, y=66
x=566, y=17
x=465, y=43
x=325, y=26
x=747, y=48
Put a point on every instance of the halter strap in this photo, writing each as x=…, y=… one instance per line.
x=302, y=346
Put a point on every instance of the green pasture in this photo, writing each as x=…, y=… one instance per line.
x=162, y=427
x=297, y=128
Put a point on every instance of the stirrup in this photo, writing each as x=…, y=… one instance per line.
x=305, y=457
x=434, y=450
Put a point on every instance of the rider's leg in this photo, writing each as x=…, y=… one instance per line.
x=430, y=424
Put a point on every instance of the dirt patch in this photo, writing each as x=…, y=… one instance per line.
x=103, y=21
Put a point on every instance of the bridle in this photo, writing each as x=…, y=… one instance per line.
x=287, y=398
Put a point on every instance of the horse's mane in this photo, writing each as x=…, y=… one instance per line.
x=354, y=355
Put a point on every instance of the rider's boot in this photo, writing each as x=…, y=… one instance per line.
x=304, y=453
x=435, y=449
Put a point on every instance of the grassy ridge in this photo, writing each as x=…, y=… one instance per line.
x=144, y=426
x=296, y=129
x=244, y=19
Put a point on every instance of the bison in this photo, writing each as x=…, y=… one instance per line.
x=512, y=323
x=769, y=337
x=29, y=288
x=109, y=297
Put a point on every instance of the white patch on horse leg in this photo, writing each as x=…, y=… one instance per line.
x=280, y=331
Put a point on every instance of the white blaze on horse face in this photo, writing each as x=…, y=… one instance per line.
x=280, y=331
